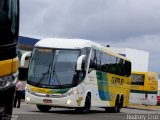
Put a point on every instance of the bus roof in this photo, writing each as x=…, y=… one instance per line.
x=65, y=43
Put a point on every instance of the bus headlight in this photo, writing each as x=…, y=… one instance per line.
x=8, y=80
x=73, y=92
x=28, y=89
x=69, y=101
x=28, y=99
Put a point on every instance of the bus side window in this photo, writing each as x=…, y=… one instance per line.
x=93, y=61
x=99, y=55
x=85, y=51
x=127, y=68
x=106, y=63
x=120, y=66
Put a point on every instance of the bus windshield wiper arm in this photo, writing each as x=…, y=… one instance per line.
x=44, y=74
x=56, y=76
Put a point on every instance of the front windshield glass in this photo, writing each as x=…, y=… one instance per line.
x=52, y=68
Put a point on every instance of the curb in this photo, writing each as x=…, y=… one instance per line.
x=143, y=107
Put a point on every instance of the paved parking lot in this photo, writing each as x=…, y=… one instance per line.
x=30, y=112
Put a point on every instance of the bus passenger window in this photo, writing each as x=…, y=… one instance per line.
x=93, y=61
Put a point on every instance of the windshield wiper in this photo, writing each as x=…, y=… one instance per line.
x=56, y=76
x=44, y=74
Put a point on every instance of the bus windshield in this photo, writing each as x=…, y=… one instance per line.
x=53, y=68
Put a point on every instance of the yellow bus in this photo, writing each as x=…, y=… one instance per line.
x=9, y=20
x=77, y=73
x=144, y=88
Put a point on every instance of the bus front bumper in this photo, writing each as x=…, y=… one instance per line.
x=67, y=101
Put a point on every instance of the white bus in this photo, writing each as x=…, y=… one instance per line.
x=76, y=73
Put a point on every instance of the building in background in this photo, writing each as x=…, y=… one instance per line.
x=26, y=43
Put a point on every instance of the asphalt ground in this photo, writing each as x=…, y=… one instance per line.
x=30, y=112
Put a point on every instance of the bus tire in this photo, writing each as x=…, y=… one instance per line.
x=7, y=112
x=86, y=107
x=109, y=109
x=116, y=108
x=121, y=102
x=44, y=108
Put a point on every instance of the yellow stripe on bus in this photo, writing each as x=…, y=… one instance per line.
x=8, y=67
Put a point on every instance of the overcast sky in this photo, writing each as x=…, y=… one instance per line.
x=120, y=23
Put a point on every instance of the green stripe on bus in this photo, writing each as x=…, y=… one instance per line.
x=139, y=91
x=103, y=88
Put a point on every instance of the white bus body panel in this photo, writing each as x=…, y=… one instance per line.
x=90, y=85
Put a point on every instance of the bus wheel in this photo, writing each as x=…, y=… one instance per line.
x=109, y=109
x=86, y=107
x=121, y=102
x=7, y=112
x=44, y=108
x=116, y=108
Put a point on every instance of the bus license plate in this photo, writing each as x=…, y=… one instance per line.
x=47, y=101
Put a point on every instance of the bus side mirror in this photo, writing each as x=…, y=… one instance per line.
x=80, y=62
x=23, y=57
